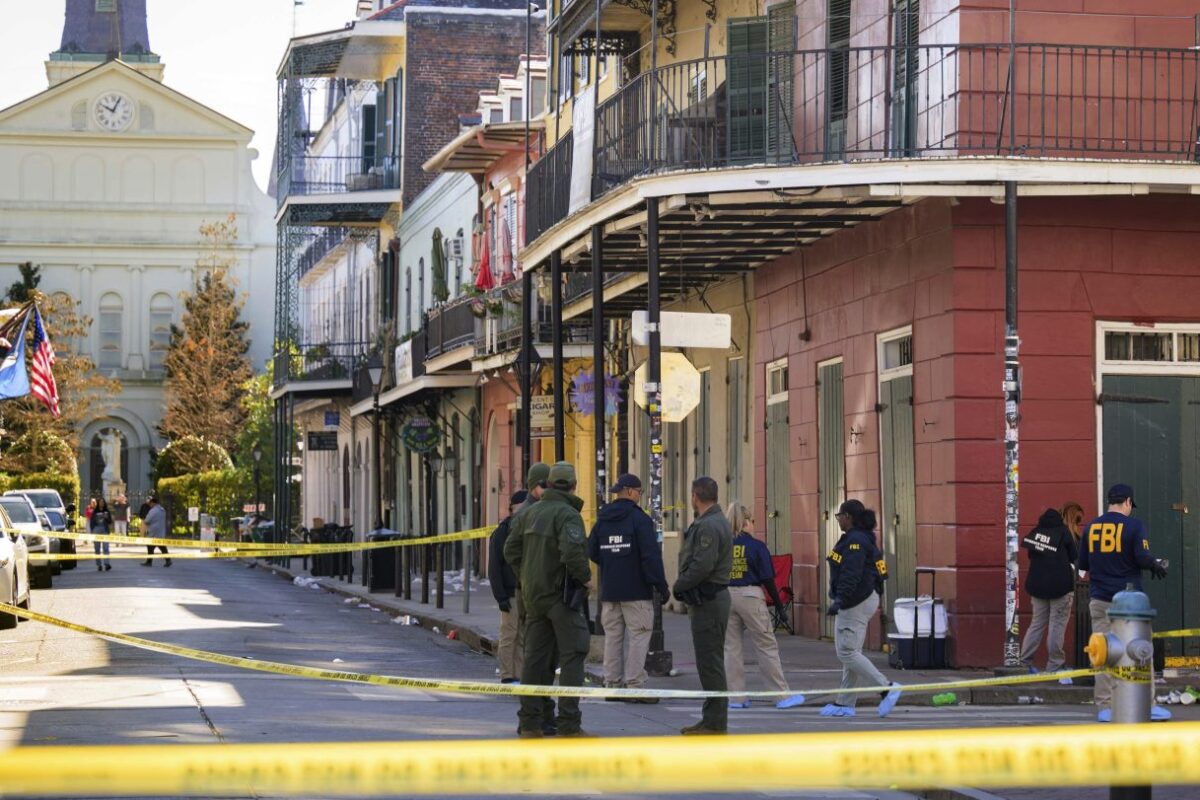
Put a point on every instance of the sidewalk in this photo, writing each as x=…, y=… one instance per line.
x=807, y=663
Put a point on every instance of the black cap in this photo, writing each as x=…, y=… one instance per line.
x=1119, y=493
x=626, y=481
x=518, y=498
x=152, y=498
x=851, y=507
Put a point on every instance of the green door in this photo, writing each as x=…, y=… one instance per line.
x=1151, y=440
x=779, y=481
x=899, y=521
x=831, y=466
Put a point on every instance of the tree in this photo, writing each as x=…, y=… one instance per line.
x=23, y=290
x=257, y=431
x=84, y=394
x=189, y=455
x=206, y=362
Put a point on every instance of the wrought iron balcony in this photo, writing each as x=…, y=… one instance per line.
x=449, y=326
x=317, y=362
x=881, y=103
x=317, y=175
x=499, y=330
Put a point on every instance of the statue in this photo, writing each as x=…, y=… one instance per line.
x=110, y=451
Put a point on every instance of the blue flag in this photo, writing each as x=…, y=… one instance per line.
x=14, y=380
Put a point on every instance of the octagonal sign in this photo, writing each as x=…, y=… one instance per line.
x=680, y=387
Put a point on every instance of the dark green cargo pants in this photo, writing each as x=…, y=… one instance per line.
x=709, y=622
x=559, y=636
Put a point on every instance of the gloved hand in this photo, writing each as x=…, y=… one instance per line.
x=834, y=608
x=505, y=606
x=1158, y=570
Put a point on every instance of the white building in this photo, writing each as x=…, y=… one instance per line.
x=105, y=180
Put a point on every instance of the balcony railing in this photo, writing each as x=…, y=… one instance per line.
x=310, y=175
x=871, y=103
x=500, y=330
x=448, y=327
x=548, y=192
x=313, y=362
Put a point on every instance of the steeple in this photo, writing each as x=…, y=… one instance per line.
x=96, y=31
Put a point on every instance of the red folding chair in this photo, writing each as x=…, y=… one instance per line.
x=781, y=615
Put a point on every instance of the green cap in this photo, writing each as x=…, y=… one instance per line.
x=538, y=474
x=562, y=475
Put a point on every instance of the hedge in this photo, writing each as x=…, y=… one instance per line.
x=219, y=493
x=67, y=485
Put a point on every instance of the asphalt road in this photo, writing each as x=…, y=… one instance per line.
x=60, y=687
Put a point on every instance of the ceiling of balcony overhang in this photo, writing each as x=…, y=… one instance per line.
x=707, y=238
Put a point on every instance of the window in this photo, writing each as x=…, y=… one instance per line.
x=838, y=78
x=368, y=137
x=777, y=380
x=585, y=69
x=895, y=353
x=704, y=424
x=1149, y=346
x=515, y=109
x=162, y=312
x=698, y=89
x=496, y=115
x=537, y=92
x=111, y=314
x=566, y=76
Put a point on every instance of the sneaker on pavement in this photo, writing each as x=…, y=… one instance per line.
x=700, y=729
x=1033, y=670
x=1066, y=681
x=1105, y=715
x=834, y=710
x=1159, y=714
x=791, y=702
x=742, y=704
x=107, y=567
x=889, y=702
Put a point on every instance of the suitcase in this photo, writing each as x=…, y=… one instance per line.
x=924, y=647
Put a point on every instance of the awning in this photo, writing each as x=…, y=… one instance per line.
x=477, y=148
x=423, y=383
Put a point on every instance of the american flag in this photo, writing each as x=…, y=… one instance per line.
x=42, y=385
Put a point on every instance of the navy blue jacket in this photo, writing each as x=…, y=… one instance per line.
x=500, y=574
x=1113, y=552
x=624, y=546
x=1052, y=555
x=852, y=570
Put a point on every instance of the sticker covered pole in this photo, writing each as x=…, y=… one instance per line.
x=1012, y=422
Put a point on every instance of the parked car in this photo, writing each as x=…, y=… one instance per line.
x=56, y=567
x=51, y=502
x=14, y=572
x=22, y=517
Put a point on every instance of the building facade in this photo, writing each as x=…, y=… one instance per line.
x=105, y=181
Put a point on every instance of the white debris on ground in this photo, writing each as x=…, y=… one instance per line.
x=306, y=583
x=455, y=581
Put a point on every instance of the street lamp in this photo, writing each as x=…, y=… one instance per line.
x=375, y=371
x=257, y=453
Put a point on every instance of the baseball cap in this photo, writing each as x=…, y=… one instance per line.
x=851, y=507
x=562, y=475
x=538, y=473
x=518, y=497
x=1120, y=492
x=626, y=481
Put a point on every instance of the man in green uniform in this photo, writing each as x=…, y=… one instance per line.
x=550, y=556
x=705, y=560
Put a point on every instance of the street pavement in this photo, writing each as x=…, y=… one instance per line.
x=59, y=687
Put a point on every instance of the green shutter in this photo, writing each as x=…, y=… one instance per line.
x=747, y=89
x=781, y=34
x=837, y=77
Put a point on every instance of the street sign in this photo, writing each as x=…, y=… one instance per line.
x=680, y=329
x=420, y=435
x=404, y=363
x=333, y=419
x=193, y=513
x=322, y=440
x=541, y=416
x=680, y=387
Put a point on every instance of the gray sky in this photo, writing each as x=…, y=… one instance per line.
x=222, y=53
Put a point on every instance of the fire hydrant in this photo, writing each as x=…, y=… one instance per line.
x=1129, y=650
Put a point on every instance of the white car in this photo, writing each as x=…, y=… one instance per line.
x=14, y=572
x=51, y=502
x=22, y=517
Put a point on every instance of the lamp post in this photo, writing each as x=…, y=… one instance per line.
x=375, y=371
x=257, y=453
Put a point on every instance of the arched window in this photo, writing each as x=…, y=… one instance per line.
x=162, y=314
x=111, y=317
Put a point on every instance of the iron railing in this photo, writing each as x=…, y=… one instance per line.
x=322, y=361
x=500, y=330
x=309, y=175
x=897, y=102
x=449, y=326
x=548, y=191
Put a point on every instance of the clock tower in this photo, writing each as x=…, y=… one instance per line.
x=96, y=31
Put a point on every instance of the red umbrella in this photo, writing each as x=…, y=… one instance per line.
x=484, y=280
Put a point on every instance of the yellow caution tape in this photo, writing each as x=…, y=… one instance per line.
x=171, y=554
x=1179, y=634
x=1090, y=755
x=508, y=689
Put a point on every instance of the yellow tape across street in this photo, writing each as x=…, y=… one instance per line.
x=1179, y=634
x=1091, y=755
x=508, y=689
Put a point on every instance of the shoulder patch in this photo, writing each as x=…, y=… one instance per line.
x=706, y=541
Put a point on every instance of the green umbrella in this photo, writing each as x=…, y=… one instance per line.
x=441, y=292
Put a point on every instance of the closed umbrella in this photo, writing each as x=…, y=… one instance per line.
x=484, y=279
x=506, y=254
x=441, y=292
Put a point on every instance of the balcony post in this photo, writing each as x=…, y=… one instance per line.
x=556, y=341
x=598, y=394
x=1012, y=420
x=526, y=373
x=659, y=659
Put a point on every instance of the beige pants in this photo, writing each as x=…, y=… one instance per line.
x=1051, y=615
x=1102, y=693
x=511, y=650
x=748, y=612
x=627, y=628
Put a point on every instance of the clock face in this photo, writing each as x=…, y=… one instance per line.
x=113, y=111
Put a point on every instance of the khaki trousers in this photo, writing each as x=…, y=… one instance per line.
x=748, y=613
x=849, y=633
x=1051, y=615
x=1102, y=693
x=627, y=627
x=510, y=652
